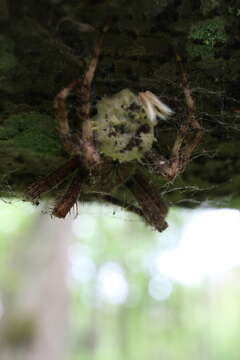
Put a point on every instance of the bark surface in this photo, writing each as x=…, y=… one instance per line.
x=45, y=44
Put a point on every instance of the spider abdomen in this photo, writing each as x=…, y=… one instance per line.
x=122, y=127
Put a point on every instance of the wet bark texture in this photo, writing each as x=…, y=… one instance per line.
x=45, y=44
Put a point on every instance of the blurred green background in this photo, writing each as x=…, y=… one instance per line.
x=103, y=286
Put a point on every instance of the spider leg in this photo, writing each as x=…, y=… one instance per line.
x=60, y=107
x=154, y=208
x=70, y=198
x=53, y=179
x=188, y=137
x=81, y=149
x=191, y=127
x=90, y=153
x=84, y=148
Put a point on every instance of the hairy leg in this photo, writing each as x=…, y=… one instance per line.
x=81, y=149
x=90, y=154
x=53, y=179
x=70, y=198
x=188, y=137
x=154, y=208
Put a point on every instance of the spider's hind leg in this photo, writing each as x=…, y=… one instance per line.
x=154, y=208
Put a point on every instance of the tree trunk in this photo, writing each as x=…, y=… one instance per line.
x=44, y=45
x=34, y=325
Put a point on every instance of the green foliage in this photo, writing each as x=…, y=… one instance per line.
x=205, y=38
x=209, y=31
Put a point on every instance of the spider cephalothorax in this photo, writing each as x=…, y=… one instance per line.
x=115, y=147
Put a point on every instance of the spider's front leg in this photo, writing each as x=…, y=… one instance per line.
x=81, y=150
x=91, y=156
x=84, y=147
x=190, y=132
x=188, y=137
x=53, y=179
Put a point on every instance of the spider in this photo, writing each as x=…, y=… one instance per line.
x=114, y=148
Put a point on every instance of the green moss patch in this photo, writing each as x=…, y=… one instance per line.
x=209, y=32
x=32, y=131
x=7, y=59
